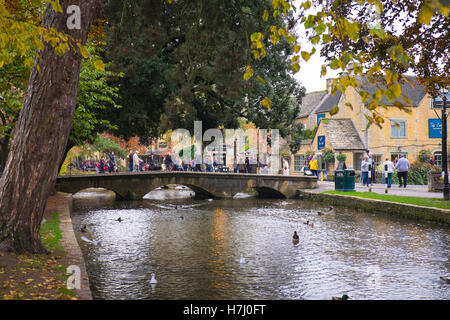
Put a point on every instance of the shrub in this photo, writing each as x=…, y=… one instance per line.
x=341, y=157
x=417, y=173
x=328, y=156
x=424, y=156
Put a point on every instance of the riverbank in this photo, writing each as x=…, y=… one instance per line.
x=43, y=276
x=395, y=209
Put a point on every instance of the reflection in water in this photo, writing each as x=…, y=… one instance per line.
x=367, y=256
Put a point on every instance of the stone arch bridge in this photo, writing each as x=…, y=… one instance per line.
x=135, y=185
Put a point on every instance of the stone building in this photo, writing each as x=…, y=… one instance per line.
x=347, y=132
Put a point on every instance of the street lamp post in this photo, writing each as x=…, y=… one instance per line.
x=444, y=143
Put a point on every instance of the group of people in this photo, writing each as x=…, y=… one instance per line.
x=387, y=168
x=312, y=165
x=137, y=164
x=103, y=165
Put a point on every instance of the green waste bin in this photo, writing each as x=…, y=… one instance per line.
x=339, y=180
x=344, y=180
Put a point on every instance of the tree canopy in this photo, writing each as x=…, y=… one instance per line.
x=184, y=62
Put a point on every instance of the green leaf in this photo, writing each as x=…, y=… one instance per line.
x=334, y=110
x=260, y=80
x=334, y=64
x=310, y=22
x=393, y=92
x=265, y=15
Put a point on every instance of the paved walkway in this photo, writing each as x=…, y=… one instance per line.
x=60, y=203
x=409, y=191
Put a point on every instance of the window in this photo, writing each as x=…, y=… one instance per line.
x=162, y=145
x=398, y=128
x=299, y=163
x=438, y=158
x=397, y=155
x=357, y=159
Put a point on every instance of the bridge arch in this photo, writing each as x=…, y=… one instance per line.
x=270, y=193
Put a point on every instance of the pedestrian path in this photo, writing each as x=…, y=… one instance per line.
x=409, y=191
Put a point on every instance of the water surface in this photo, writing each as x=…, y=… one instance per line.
x=194, y=248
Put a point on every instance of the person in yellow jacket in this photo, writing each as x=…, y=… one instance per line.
x=313, y=166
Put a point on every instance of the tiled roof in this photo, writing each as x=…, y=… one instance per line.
x=329, y=102
x=415, y=94
x=310, y=101
x=342, y=134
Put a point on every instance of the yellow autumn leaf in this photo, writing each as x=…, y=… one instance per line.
x=305, y=55
x=248, y=73
x=84, y=52
x=260, y=80
x=425, y=13
x=98, y=64
x=266, y=103
x=57, y=6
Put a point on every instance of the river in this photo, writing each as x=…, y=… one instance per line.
x=194, y=248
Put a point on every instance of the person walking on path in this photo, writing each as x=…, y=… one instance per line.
x=371, y=169
x=285, y=167
x=365, y=171
x=313, y=166
x=130, y=160
x=402, y=167
x=388, y=167
x=112, y=157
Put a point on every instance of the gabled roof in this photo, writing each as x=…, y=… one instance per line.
x=311, y=101
x=415, y=94
x=329, y=102
x=342, y=134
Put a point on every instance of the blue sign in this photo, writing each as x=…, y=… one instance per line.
x=320, y=116
x=320, y=142
x=434, y=128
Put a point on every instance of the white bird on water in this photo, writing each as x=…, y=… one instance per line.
x=94, y=242
x=242, y=259
x=153, y=280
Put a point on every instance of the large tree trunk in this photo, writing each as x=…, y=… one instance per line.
x=41, y=133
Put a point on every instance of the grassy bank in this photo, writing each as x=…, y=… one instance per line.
x=426, y=202
x=37, y=276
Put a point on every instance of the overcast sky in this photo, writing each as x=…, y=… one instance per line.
x=309, y=74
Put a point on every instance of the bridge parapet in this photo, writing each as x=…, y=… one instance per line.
x=134, y=185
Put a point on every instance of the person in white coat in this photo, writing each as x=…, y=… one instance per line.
x=136, y=161
x=285, y=167
x=388, y=167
